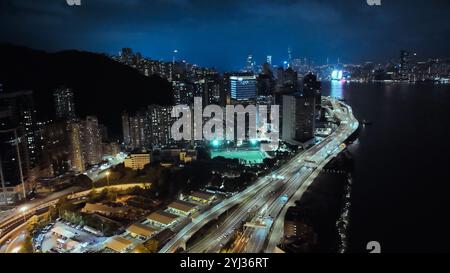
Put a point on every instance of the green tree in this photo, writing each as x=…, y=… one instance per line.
x=32, y=224
x=63, y=205
x=111, y=195
x=52, y=213
x=27, y=246
x=83, y=181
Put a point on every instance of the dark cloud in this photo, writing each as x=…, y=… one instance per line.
x=222, y=33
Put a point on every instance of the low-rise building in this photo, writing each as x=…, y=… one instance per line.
x=137, y=161
x=188, y=156
x=141, y=231
x=162, y=219
x=163, y=237
x=201, y=197
x=11, y=195
x=119, y=244
x=175, y=155
x=99, y=208
x=182, y=208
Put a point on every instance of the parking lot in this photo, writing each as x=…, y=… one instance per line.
x=64, y=237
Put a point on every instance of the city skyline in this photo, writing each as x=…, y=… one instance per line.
x=183, y=79
x=201, y=32
x=194, y=126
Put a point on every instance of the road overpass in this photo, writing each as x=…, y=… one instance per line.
x=295, y=173
x=8, y=225
x=259, y=241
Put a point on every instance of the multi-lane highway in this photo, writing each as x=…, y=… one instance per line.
x=245, y=198
x=267, y=197
x=323, y=155
x=262, y=206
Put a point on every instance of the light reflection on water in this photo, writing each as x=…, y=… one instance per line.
x=401, y=165
x=337, y=89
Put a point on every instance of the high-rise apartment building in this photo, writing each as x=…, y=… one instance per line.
x=55, y=147
x=312, y=88
x=23, y=117
x=183, y=92
x=138, y=123
x=126, y=129
x=298, y=120
x=75, y=140
x=92, y=141
x=161, y=121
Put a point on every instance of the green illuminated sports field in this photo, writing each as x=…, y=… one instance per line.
x=250, y=157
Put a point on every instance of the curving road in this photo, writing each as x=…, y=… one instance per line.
x=17, y=217
x=266, y=199
x=265, y=240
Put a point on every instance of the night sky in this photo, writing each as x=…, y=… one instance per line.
x=222, y=33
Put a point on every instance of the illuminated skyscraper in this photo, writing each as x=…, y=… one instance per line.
x=296, y=64
x=126, y=129
x=21, y=106
x=404, y=65
x=287, y=80
x=211, y=92
x=298, y=120
x=183, y=92
x=266, y=81
x=12, y=168
x=266, y=69
x=250, y=67
x=149, y=128
x=92, y=144
x=55, y=147
x=174, y=57
x=269, y=60
x=243, y=87
x=160, y=123
x=8, y=151
x=289, y=56
x=137, y=131
x=75, y=132
x=312, y=88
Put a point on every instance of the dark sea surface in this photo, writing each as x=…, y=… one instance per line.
x=401, y=187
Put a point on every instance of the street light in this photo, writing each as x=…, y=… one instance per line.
x=107, y=178
x=215, y=143
x=23, y=210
